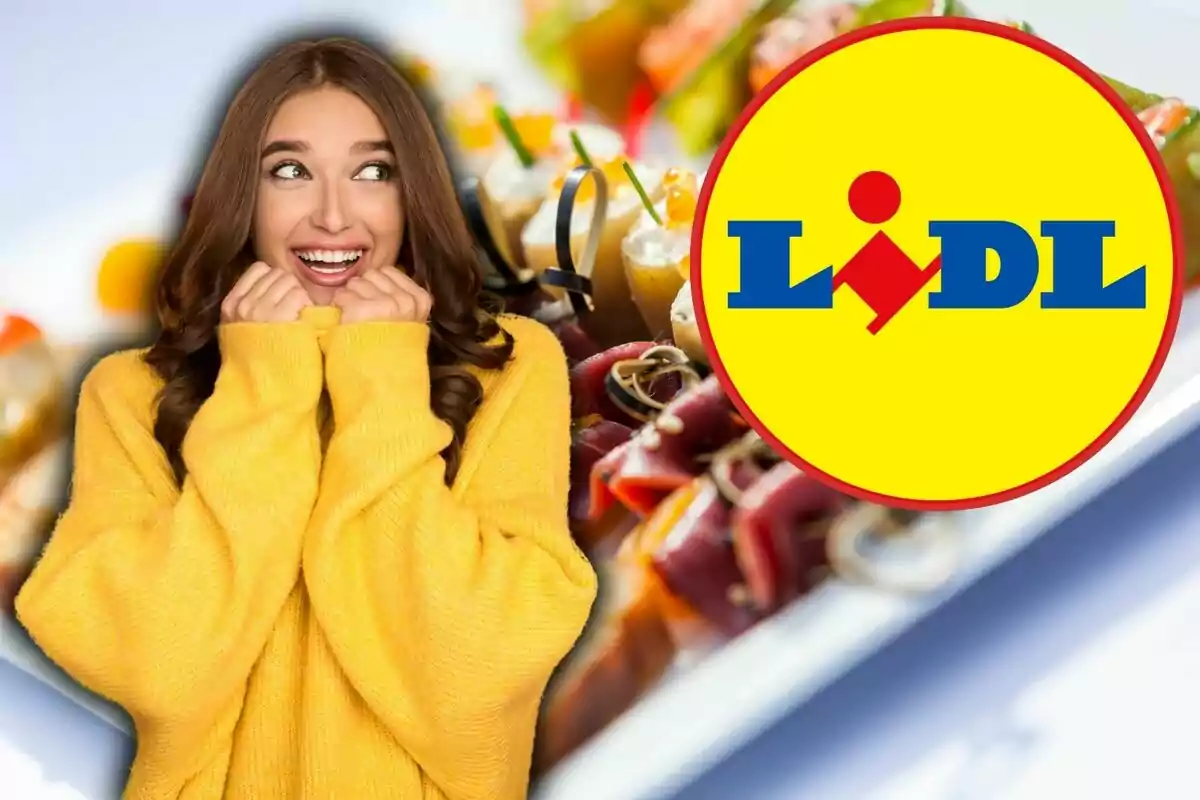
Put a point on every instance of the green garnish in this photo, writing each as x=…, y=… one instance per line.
x=509, y=129
x=580, y=151
x=633, y=178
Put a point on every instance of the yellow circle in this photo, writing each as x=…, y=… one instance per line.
x=940, y=408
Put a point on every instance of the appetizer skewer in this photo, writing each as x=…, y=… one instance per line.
x=517, y=185
x=32, y=411
x=589, y=49
x=790, y=36
x=616, y=319
x=29, y=504
x=657, y=256
x=717, y=534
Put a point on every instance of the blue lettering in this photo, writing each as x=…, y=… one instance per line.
x=1079, y=269
x=965, y=283
x=765, y=273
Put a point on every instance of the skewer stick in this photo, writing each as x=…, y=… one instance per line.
x=580, y=150
x=641, y=190
x=509, y=129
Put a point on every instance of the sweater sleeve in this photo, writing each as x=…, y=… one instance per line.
x=161, y=597
x=448, y=609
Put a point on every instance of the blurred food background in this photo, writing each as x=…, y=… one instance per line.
x=115, y=100
x=699, y=531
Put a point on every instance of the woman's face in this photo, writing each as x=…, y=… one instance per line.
x=328, y=204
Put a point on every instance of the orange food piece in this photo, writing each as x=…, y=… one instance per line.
x=637, y=551
x=672, y=51
x=681, y=207
x=640, y=545
x=685, y=266
x=418, y=71
x=125, y=282
x=16, y=331
x=1165, y=118
x=471, y=119
x=600, y=53
x=625, y=655
x=536, y=131
x=680, y=176
x=614, y=173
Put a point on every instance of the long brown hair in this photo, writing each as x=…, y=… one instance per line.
x=213, y=248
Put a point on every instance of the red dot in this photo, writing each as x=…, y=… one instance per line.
x=874, y=197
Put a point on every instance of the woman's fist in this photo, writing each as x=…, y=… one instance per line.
x=265, y=294
x=384, y=294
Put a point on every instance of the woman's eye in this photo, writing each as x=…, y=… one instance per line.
x=288, y=172
x=374, y=172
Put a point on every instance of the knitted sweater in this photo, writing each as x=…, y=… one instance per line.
x=309, y=621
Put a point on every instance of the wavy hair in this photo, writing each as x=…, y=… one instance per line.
x=214, y=246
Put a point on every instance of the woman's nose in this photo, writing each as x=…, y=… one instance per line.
x=330, y=214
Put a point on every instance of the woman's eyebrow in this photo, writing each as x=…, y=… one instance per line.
x=296, y=146
x=373, y=147
x=285, y=146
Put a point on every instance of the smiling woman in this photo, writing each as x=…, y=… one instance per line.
x=329, y=205
x=323, y=155
x=283, y=555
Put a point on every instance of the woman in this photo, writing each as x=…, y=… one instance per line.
x=293, y=597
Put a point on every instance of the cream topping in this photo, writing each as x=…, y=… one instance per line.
x=508, y=180
x=658, y=245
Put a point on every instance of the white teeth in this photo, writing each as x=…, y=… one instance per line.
x=330, y=256
x=331, y=261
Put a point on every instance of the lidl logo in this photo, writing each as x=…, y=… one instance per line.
x=886, y=278
x=938, y=263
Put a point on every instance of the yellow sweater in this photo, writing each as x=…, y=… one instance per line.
x=337, y=626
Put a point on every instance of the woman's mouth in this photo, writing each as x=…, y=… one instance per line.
x=329, y=267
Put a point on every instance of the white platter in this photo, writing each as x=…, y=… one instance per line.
x=19, y=650
x=697, y=717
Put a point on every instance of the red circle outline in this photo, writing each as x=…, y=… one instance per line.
x=1045, y=48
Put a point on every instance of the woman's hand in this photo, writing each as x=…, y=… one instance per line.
x=265, y=294
x=385, y=294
